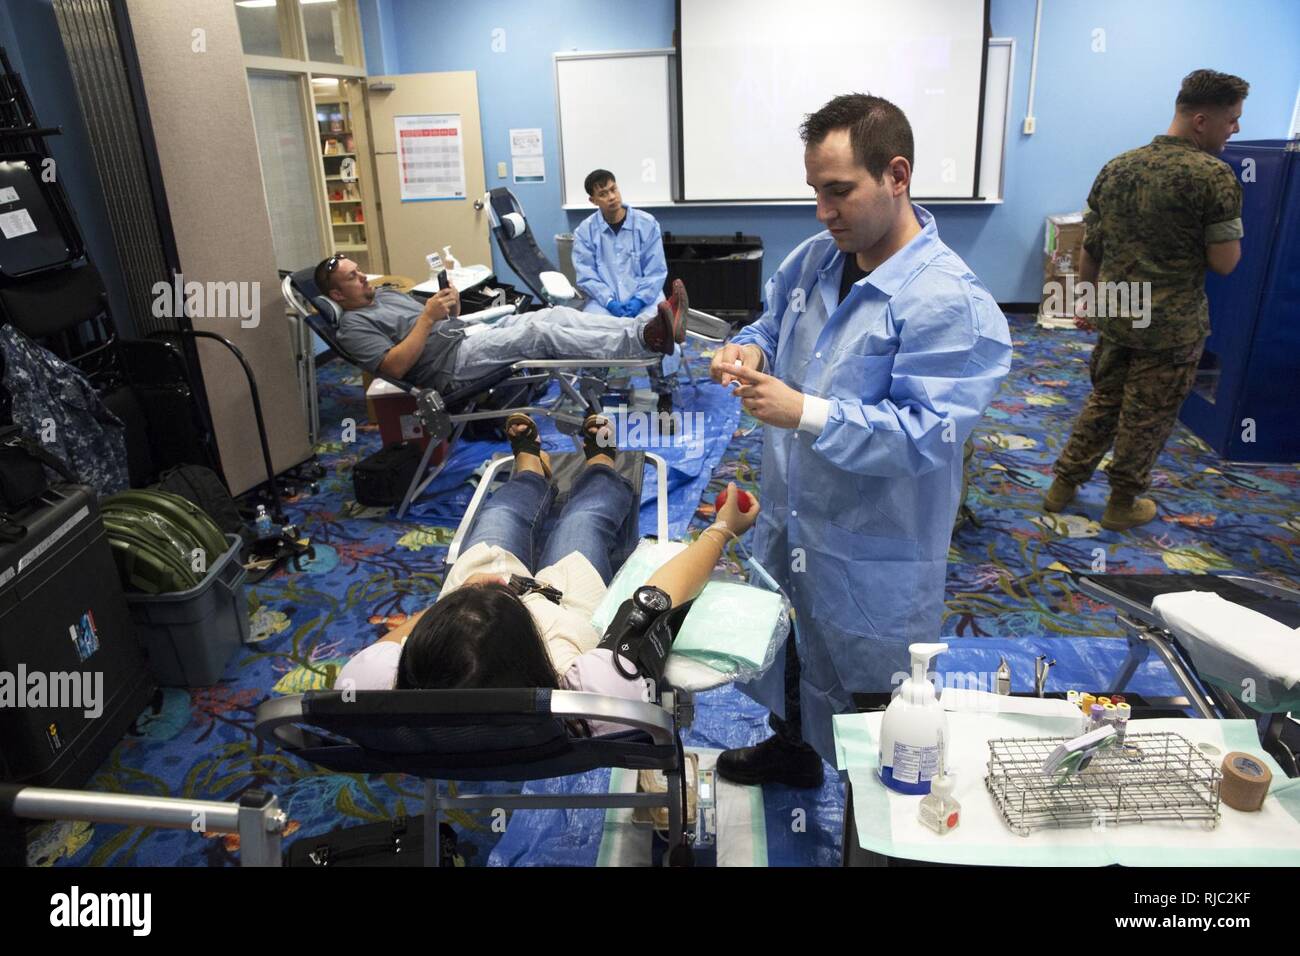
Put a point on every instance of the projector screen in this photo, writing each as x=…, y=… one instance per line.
x=752, y=69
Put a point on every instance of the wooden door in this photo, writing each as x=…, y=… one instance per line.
x=414, y=227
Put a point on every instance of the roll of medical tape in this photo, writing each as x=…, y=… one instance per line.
x=1245, y=781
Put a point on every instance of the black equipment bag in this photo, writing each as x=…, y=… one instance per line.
x=66, y=636
x=398, y=842
x=381, y=480
x=204, y=487
x=22, y=477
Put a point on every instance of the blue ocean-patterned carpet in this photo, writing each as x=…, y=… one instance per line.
x=1008, y=594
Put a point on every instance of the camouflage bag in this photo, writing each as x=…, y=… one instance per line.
x=54, y=404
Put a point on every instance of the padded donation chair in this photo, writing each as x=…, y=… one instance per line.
x=514, y=237
x=528, y=734
x=518, y=245
x=509, y=734
x=446, y=416
x=513, y=734
x=1214, y=661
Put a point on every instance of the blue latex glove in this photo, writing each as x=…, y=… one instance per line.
x=614, y=307
x=633, y=306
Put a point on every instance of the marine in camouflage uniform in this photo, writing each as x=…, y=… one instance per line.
x=1151, y=213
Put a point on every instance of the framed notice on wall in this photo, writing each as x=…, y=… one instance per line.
x=430, y=156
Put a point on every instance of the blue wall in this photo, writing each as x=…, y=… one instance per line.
x=29, y=33
x=1089, y=106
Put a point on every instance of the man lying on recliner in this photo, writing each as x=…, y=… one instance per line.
x=392, y=333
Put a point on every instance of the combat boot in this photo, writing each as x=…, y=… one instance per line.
x=1059, y=495
x=1125, y=511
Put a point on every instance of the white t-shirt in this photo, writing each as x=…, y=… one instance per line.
x=566, y=630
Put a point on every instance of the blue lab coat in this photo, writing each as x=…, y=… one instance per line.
x=856, y=521
x=620, y=265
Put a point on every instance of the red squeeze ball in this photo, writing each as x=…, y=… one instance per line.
x=746, y=502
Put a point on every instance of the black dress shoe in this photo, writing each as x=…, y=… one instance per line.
x=772, y=761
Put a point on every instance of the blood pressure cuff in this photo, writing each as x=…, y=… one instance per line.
x=643, y=649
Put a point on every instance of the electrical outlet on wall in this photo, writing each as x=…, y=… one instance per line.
x=501, y=170
x=1028, y=128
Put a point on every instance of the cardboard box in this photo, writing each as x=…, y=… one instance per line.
x=1063, y=244
x=1062, y=255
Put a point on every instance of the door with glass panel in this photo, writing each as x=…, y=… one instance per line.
x=428, y=161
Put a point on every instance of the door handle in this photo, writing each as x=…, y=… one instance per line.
x=478, y=205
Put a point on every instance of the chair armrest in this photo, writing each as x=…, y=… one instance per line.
x=706, y=326
x=637, y=714
x=481, y=492
x=275, y=721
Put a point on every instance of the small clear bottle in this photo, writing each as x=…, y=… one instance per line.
x=939, y=811
x=263, y=522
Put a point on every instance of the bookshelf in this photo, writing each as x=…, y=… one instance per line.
x=349, y=224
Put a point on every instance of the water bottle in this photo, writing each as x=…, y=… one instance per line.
x=263, y=522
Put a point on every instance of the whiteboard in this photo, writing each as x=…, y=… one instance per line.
x=997, y=110
x=751, y=71
x=616, y=113
x=648, y=120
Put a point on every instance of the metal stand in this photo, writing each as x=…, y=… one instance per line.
x=256, y=817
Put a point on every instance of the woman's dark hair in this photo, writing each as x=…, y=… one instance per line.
x=475, y=637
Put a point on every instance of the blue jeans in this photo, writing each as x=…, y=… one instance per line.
x=589, y=523
x=555, y=333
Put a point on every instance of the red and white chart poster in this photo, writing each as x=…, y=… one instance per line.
x=430, y=156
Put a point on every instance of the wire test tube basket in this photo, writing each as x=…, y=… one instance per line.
x=1147, y=777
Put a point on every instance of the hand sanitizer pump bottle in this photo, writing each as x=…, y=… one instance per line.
x=914, y=728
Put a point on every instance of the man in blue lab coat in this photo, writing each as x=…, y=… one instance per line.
x=618, y=254
x=876, y=355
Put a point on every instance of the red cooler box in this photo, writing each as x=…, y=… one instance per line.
x=395, y=415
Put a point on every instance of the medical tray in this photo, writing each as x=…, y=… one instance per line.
x=1147, y=777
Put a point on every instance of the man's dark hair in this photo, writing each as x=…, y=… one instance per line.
x=323, y=276
x=1208, y=88
x=877, y=128
x=597, y=178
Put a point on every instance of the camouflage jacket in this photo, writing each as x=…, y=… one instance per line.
x=54, y=404
x=1150, y=215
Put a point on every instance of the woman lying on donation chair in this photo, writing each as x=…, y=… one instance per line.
x=487, y=630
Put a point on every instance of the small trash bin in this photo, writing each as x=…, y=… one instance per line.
x=190, y=636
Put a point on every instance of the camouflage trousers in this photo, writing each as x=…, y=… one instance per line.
x=1136, y=394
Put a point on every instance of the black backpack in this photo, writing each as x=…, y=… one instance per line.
x=205, y=488
x=381, y=480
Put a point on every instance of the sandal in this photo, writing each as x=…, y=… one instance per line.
x=591, y=446
x=526, y=441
